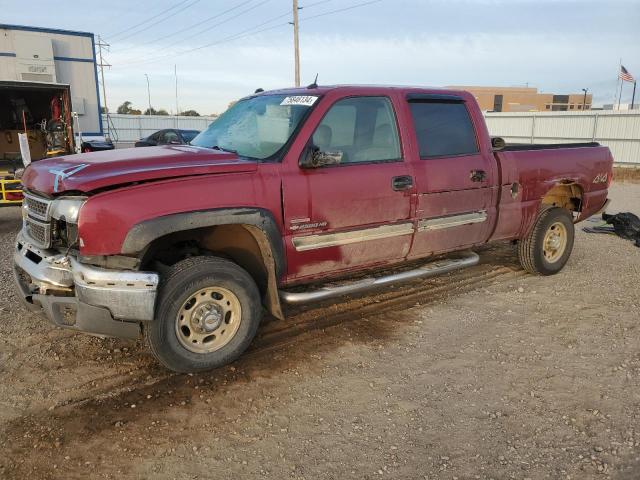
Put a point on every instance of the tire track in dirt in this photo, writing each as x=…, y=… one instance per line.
x=278, y=334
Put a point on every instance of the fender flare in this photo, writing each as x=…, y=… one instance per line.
x=141, y=235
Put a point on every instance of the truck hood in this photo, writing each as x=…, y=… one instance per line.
x=86, y=172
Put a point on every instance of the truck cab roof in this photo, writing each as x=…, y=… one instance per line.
x=364, y=90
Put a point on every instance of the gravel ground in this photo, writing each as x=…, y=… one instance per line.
x=486, y=373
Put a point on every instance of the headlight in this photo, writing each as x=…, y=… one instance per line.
x=67, y=208
x=64, y=212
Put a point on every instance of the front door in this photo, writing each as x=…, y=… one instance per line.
x=356, y=214
x=454, y=178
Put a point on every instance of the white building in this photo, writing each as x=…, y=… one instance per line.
x=55, y=56
x=622, y=106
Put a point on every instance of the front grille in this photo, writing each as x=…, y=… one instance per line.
x=37, y=223
x=38, y=231
x=38, y=207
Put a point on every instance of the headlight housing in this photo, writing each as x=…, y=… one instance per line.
x=64, y=216
x=67, y=208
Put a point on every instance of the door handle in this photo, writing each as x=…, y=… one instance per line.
x=403, y=182
x=478, y=175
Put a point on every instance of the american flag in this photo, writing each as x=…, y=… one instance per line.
x=625, y=75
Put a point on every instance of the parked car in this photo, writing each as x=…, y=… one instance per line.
x=96, y=145
x=170, y=136
x=289, y=188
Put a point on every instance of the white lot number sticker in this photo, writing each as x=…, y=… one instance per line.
x=305, y=100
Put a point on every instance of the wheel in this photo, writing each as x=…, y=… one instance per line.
x=208, y=311
x=86, y=149
x=546, y=249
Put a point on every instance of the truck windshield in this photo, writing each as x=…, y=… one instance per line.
x=256, y=127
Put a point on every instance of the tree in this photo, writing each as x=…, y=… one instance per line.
x=104, y=110
x=153, y=111
x=126, y=109
x=189, y=113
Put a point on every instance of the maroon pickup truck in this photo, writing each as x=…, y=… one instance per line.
x=188, y=244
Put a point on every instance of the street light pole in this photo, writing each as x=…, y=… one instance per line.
x=584, y=99
x=148, y=93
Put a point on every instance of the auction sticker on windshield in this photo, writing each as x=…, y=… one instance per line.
x=306, y=100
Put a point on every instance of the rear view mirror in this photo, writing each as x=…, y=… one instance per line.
x=316, y=158
x=498, y=143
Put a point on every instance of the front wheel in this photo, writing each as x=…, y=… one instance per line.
x=547, y=248
x=208, y=312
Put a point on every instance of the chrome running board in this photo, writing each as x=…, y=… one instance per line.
x=439, y=267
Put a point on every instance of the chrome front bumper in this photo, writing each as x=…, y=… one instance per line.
x=56, y=283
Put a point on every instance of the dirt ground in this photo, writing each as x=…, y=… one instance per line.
x=488, y=373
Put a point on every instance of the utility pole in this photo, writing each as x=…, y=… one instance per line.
x=175, y=72
x=148, y=93
x=102, y=64
x=584, y=99
x=296, y=42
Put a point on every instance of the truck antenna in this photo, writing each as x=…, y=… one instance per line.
x=315, y=83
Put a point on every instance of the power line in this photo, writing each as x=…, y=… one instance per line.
x=341, y=9
x=149, y=19
x=164, y=37
x=228, y=38
x=156, y=23
x=239, y=14
x=250, y=31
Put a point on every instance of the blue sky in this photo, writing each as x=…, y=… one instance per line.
x=559, y=46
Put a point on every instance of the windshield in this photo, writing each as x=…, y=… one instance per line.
x=256, y=127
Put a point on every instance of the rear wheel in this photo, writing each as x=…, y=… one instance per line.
x=548, y=246
x=208, y=312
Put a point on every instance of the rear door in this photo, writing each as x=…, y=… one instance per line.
x=454, y=177
x=356, y=214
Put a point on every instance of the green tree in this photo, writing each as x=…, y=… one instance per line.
x=126, y=109
x=153, y=111
x=189, y=113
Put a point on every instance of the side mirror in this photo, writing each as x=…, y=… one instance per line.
x=498, y=143
x=313, y=157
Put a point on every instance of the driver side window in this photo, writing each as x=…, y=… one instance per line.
x=359, y=130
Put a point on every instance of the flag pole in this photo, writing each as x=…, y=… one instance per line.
x=633, y=96
x=618, y=81
x=620, y=94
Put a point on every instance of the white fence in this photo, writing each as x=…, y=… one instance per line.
x=125, y=130
x=619, y=130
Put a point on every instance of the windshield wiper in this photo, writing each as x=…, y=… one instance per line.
x=218, y=147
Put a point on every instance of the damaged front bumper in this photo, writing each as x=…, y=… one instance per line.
x=82, y=297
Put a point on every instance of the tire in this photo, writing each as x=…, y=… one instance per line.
x=555, y=225
x=188, y=333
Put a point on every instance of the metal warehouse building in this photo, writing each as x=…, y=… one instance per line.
x=47, y=55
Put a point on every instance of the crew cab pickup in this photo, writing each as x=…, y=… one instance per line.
x=189, y=244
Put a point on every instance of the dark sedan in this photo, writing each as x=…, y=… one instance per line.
x=170, y=136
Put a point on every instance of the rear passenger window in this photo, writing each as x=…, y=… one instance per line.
x=443, y=129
